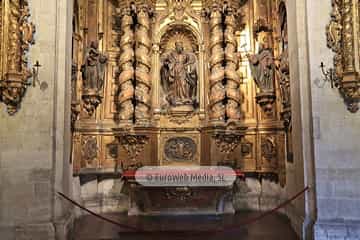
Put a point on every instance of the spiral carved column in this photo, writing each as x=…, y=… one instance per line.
x=233, y=79
x=217, y=89
x=126, y=64
x=143, y=65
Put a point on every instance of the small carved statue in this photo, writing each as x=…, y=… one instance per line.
x=263, y=67
x=179, y=76
x=93, y=73
x=284, y=78
x=93, y=70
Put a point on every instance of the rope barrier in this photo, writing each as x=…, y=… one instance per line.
x=97, y=215
x=230, y=228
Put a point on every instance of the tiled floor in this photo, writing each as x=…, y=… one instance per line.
x=274, y=227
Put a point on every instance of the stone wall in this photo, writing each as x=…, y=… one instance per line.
x=335, y=135
x=100, y=194
x=300, y=172
x=256, y=195
x=34, y=144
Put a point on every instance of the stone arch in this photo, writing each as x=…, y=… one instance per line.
x=177, y=32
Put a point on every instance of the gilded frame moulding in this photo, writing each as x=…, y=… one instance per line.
x=343, y=39
x=17, y=35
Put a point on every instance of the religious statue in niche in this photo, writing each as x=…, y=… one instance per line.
x=262, y=67
x=179, y=76
x=93, y=73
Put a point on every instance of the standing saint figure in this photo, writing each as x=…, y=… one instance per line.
x=262, y=66
x=179, y=76
x=93, y=70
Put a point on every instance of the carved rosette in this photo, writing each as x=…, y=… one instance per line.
x=126, y=64
x=217, y=88
x=15, y=74
x=143, y=64
x=233, y=79
x=340, y=37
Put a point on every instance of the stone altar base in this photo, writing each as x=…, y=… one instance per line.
x=151, y=201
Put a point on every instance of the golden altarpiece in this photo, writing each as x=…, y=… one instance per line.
x=181, y=82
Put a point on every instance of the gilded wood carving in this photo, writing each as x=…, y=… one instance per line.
x=17, y=36
x=179, y=76
x=143, y=63
x=342, y=35
x=126, y=90
x=225, y=99
x=93, y=73
x=262, y=67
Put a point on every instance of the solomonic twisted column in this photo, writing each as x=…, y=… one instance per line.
x=143, y=65
x=233, y=104
x=217, y=90
x=126, y=64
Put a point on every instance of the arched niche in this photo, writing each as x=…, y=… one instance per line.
x=165, y=34
x=174, y=34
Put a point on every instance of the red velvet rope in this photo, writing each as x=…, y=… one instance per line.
x=230, y=228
